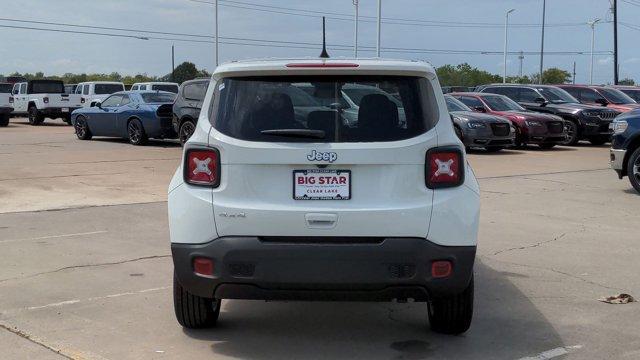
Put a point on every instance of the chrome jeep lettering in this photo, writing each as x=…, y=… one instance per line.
x=322, y=156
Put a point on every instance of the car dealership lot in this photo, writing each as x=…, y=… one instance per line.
x=92, y=279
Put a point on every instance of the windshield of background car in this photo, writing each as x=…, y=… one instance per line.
x=357, y=93
x=169, y=88
x=502, y=103
x=556, y=95
x=259, y=108
x=101, y=89
x=455, y=105
x=634, y=94
x=156, y=98
x=5, y=88
x=616, y=96
x=46, y=87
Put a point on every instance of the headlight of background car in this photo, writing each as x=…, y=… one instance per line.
x=533, y=123
x=476, y=125
x=619, y=126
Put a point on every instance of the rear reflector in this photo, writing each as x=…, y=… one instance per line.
x=444, y=168
x=202, y=167
x=441, y=269
x=203, y=266
x=322, y=65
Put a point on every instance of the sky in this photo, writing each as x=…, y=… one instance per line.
x=434, y=24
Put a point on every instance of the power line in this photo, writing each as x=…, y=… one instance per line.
x=386, y=20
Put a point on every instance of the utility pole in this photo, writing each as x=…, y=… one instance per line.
x=216, y=6
x=615, y=42
x=521, y=58
x=544, y=9
x=173, y=64
x=355, y=30
x=379, y=26
x=574, y=73
x=592, y=24
x=506, y=27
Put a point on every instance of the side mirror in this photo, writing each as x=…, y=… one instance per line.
x=479, y=109
x=98, y=105
x=541, y=101
x=602, y=101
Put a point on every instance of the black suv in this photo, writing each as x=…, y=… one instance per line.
x=186, y=108
x=584, y=121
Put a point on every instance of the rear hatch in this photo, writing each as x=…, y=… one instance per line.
x=294, y=163
x=53, y=95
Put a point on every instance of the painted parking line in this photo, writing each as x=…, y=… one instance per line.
x=76, y=301
x=553, y=353
x=54, y=236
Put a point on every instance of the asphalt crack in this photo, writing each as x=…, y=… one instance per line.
x=87, y=266
x=544, y=173
x=531, y=246
x=32, y=339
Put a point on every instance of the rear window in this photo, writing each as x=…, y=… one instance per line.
x=6, y=88
x=155, y=98
x=101, y=89
x=634, y=94
x=169, y=88
x=324, y=108
x=46, y=87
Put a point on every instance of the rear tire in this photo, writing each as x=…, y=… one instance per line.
x=82, y=128
x=137, y=135
x=35, y=118
x=452, y=314
x=633, y=169
x=546, y=146
x=194, y=312
x=187, y=128
x=572, y=133
x=4, y=120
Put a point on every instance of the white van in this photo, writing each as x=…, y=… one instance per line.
x=94, y=92
x=152, y=86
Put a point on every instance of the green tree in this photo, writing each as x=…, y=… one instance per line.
x=553, y=76
x=465, y=75
x=627, y=81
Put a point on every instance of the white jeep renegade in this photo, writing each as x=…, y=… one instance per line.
x=282, y=196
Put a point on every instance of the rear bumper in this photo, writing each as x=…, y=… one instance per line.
x=545, y=139
x=57, y=111
x=386, y=269
x=5, y=110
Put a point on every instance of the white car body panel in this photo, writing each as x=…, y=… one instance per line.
x=389, y=195
x=22, y=101
x=91, y=98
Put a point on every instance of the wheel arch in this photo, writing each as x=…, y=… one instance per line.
x=631, y=147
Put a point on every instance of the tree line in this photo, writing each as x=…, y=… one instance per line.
x=449, y=75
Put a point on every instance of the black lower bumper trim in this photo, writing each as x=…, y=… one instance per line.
x=395, y=268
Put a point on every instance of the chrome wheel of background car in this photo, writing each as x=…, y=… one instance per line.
x=572, y=133
x=82, y=129
x=186, y=130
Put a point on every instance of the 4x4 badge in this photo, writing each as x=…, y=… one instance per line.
x=322, y=156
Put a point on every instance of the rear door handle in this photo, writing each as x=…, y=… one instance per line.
x=321, y=221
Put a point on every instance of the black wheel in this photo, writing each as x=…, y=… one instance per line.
x=546, y=146
x=452, y=314
x=633, y=169
x=493, y=149
x=67, y=119
x=194, y=312
x=186, y=130
x=4, y=120
x=35, y=118
x=598, y=140
x=571, y=129
x=458, y=132
x=82, y=129
x=137, y=135
x=518, y=141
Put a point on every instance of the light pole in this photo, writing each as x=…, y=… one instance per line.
x=379, y=23
x=355, y=30
x=592, y=23
x=216, y=6
x=506, y=27
x=544, y=9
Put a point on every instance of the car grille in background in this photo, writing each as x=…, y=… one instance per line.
x=555, y=127
x=501, y=129
x=602, y=115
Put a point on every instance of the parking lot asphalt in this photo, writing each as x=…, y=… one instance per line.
x=85, y=270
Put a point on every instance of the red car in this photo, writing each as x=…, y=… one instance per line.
x=600, y=95
x=545, y=130
x=631, y=91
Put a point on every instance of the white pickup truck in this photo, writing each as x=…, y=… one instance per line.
x=5, y=103
x=40, y=99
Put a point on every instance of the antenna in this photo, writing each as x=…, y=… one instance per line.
x=324, y=53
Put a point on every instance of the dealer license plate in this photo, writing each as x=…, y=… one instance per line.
x=319, y=184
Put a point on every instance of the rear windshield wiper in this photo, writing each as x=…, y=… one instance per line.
x=301, y=133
